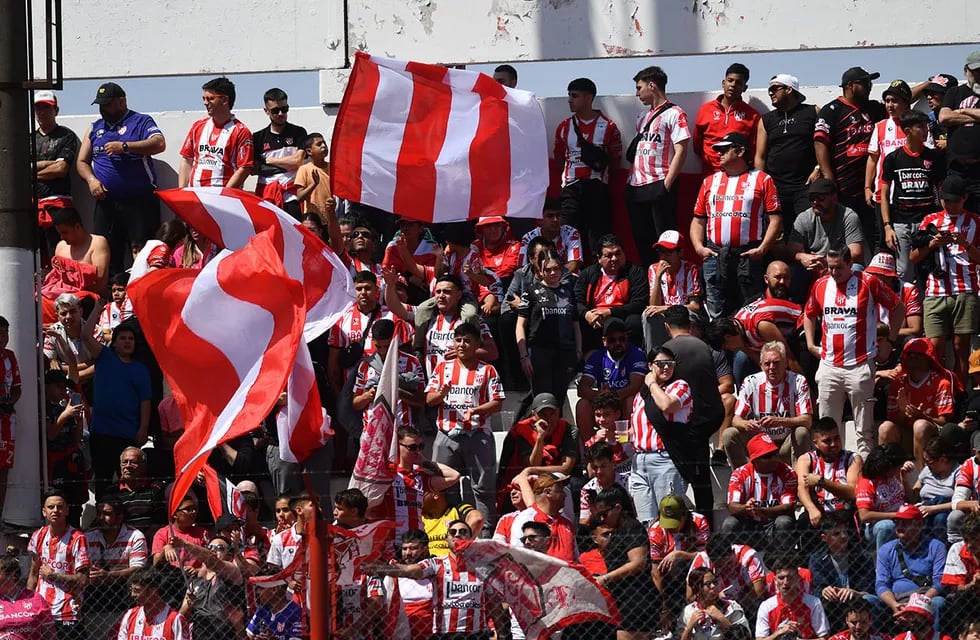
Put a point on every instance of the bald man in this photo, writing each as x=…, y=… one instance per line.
x=771, y=318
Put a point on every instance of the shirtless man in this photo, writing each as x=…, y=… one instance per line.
x=81, y=246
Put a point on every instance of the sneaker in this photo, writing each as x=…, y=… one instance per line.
x=719, y=459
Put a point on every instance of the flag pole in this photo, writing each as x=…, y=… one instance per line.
x=317, y=569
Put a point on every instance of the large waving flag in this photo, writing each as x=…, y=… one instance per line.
x=224, y=498
x=438, y=144
x=373, y=469
x=230, y=217
x=546, y=594
x=226, y=338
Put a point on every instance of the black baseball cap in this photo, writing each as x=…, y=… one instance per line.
x=954, y=189
x=821, y=186
x=941, y=83
x=857, y=74
x=107, y=92
x=613, y=325
x=732, y=139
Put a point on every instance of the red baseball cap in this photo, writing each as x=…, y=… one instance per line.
x=908, y=512
x=761, y=445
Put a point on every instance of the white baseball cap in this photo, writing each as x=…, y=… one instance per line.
x=787, y=80
x=45, y=97
x=669, y=240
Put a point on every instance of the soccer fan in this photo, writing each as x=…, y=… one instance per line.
x=565, y=239
x=589, y=146
x=312, y=184
x=826, y=225
x=80, y=250
x=934, y=90
x=846, y=305
x=656, y=154
x=961, y=573
x=10, y=391
x=725, y=115
x=416, y=593
x=762, y=494
x=506, y=75
x=784, y=145
x=919, y=620
x=414, y=476
x=368, y=375
x=887, y=136
x=909, y=176
x=613, y=288
x=840, y=571
x=774, y=401
x=913, y=563
x=152, y=617
x=56, y=149
x=673, y=280
x=278, y=154
x=63, y=424
x=116, y=552
x=284, y=544
x=656, y=468
x=137, y=493
x=952, y=283
x=934, y=488
x=881, y=491
x=733, y=233
x=546, y=498
x=618, y=367
x=497, y=248
x=436, y=512
x=827, y=475
x=183, y=526
x=217, y=151
x=115, y=161
x=120, y=308
x=841, y=137
x=59, y=566
x=738, y=568
x=601, y=458
x=359, y=597
x=959, y=114
x=710, y=615
x=883, y=266
x=467, y=391
x=791, y=612
x=607, y=409
x=460, y=603
x=25, y=613
x=920, y=399
x=858, y=618
x=418, y=242
x=278, y=617
x=675, y=539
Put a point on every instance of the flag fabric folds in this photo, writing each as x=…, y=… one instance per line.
x=226, y=338
x=546, y=594
x=224, y=498
x=438, y=144
x=374, y=467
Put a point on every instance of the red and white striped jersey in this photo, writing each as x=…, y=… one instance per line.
x=505, y=525
x=599, y=131
x=846, y=635
x=886, y=137
x=457, y=598
x=563, y=544
x=568, y=243
x=785, y=314
x=402, y=504
x=748, y=569
x=356, y=265
x=880, y=494
x=911, y=302
x=806, y=611
x=217, y=152
x=167, y=624
x=968, y=477
x=368, y=377
x=961, y=566
x=679, y=288
x=128, y=550
x=458, y=266
x=735, y=206
x=9, y=375
x=439, y=338
x=835, y=471
x=757, y=398
x=663, y=541
x=353, y=594
x=592, y=488
x=768, y=489
x=283, y=546
x=961, y=272
x=643, y=435
x=110, y=318
x=66, y=554
x=655, y=151
x=934, y=635
x=469, y=388
x=849, y=317
x=352, y=324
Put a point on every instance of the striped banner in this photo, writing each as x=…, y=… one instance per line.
x=225, y=337
x=438, y=144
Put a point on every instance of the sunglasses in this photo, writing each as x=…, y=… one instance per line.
x=187, y=510
x=531, y=538
x=776, y=89
x=277, y=110
x=818, y=197
x=412, y=447
x=360, y=234
x=664, y=364
x=459, y=533
x=217, y=547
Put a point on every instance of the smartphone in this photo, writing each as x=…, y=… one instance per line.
x=76, y=398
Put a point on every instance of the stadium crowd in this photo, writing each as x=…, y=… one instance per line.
x=832, y=254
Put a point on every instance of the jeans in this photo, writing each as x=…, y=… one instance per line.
x=743, y=367
x=730, y=280
x=904, y=232
x=881, y=532
x=780, y=533
x=653, y=476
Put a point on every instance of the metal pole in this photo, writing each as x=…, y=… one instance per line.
x=18, y=230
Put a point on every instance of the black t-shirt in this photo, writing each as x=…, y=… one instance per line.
x=913, y=178
x=846, y=128
x=551, y=314
x=696, y=365
x=964, y=140
x=61, y=143
x=264, y=142
x=630, y=535
x=790, y=158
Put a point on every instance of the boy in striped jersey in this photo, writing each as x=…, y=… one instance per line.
x=151, y=618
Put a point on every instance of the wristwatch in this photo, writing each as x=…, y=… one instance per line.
x=820, y=483
x=125, y=146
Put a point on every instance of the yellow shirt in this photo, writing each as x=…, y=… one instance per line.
x=436, y=528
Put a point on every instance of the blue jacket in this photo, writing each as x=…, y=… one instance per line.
x=860, y=572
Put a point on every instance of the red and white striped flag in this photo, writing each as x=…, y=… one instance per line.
x=226, y=338
x=438, y=144
x=230, y=217
x=546, y=594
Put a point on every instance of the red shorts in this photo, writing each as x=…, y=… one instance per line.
x=7, y=425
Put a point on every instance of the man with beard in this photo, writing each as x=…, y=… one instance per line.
x=115, y=162
x=841, y=138
x=917, y=620
x=959, y=114
x=825, y=225
x=858, y=619
x=784, y=145
x=771, y=318
x=116, y=551
x=217, y=151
